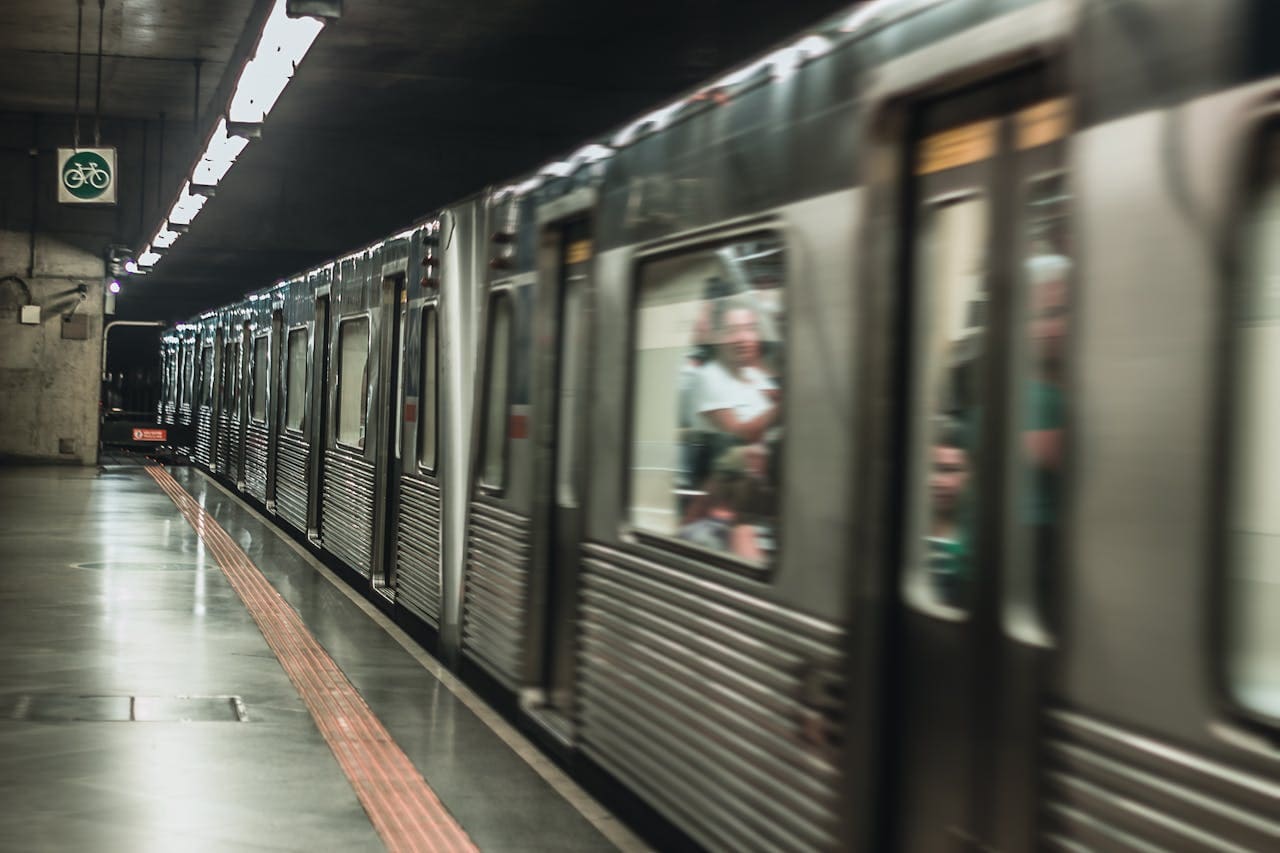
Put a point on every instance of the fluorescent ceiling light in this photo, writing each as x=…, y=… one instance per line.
x=165, y=238
x=284, y=42
x=148, y=258
x=186, y=207
x=219, y=156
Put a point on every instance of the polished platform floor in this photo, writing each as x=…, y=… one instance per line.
x=142, y=709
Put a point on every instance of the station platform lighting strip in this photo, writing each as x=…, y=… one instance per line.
x=285, y=41
x=282, y=44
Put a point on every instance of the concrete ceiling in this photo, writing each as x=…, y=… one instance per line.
x=401, y=106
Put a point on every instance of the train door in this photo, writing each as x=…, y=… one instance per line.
x=318, y=407
x=274, y=379
x=244, y=390
x=986, y=266
x=390, y=415
x=565, y=261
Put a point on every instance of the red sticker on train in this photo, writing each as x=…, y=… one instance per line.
x=142, y=434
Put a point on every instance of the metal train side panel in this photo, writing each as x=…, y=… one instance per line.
x=1143, y=749
x=715, y=693
x=256, y=429
x=347, y=493
x=438, y=371
x=292, y=449
x=495, y=586
x=205, y=389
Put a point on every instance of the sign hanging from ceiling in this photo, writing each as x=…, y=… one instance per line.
x=87, y=175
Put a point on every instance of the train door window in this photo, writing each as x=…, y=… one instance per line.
x=1035, y=475
x=706, y=410
x=497, y=393
x=295, y=392
x=353, y=381
x=950, y=318
x=1252, y=593
x=427, y=392
x=571, y=352
x=261, y=360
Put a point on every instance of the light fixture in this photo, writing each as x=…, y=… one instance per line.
x=283, y=43
x=114, y=286
x=187, y=206
x=131, y=266
x=219, y=156
x=165, y=238
x=290, y=29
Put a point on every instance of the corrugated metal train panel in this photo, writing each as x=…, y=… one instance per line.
x=1109, y=788
x=255, y=459
x=720, y=708
x=291, y=479
x=346, y=518
x=494, y=599
x=204, y=438
x=418, y=548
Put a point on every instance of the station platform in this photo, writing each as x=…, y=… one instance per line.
x=176, y=674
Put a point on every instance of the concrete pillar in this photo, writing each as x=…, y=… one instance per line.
x=49, y=374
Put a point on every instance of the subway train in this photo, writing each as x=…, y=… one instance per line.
x=871, y=449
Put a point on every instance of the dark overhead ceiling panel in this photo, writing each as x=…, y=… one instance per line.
x=401, y=106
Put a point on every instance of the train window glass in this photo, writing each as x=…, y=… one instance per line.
x=706, y=425
x=295, y=392
x=1033, y=515
x=950, y=318
x=353, y=381
x=260, y=363
x=427, y=390
x=497, y=390
x=571, y=353
x=1253, y=520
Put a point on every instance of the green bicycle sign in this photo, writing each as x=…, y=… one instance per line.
x=87, y=176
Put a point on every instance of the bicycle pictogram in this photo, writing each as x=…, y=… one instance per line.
x=87, y=175
x=79, y=174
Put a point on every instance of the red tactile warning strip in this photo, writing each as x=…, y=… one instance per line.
x=403, y=808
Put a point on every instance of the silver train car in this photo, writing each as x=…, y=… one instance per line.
x=872, y=449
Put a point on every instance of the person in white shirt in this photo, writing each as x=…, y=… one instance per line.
x=736, y=396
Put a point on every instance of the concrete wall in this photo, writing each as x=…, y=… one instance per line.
x=49, y=384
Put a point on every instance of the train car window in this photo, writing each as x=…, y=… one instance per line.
x=295, y=392
x=427, y=390
x=706, y=398
x=258, y=410
x=950, y=318
x=353, y=381
x=1252, y=593
x=497, y=393
x=1033, y=514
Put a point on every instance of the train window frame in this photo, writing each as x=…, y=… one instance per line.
x=691, y=556
x=261, y=383
x=430, y=309
x=499, y=293
x=1260, y=143
x=337, y=381
x=301, y=428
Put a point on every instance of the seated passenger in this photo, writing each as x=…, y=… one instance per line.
x=736, y=514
